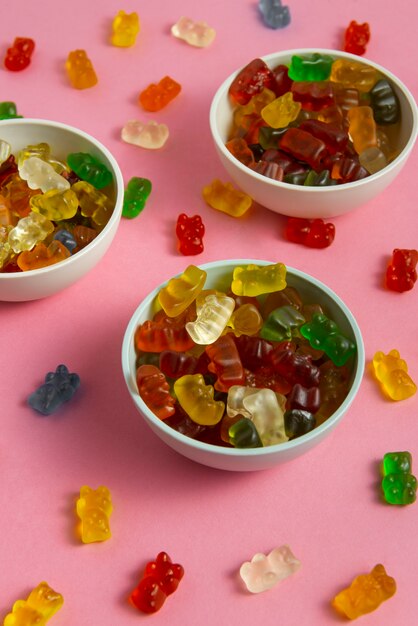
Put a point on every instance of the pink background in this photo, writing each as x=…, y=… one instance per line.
x=325, y=505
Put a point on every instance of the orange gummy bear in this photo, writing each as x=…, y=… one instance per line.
x=42, y=256
x=156, y=97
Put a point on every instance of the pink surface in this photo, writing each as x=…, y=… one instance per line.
x=325, y=505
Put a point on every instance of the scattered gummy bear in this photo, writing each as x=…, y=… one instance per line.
x=160, y=579
x=42, y=603
x=313, y=233
x=190, y=231
x=80, y=70
x=365, y=594
x=8, y=111
x=149, y=135
x=399, y=485
x=392, y=373
x=197, y=34
x=156, y=97
x=224, y=197
x=274, y=14
x=59, y=387
x=125, y=28
x=356, y=38
x=264, y=572
x=18, y=57
x=94, y=508
x=401, y=274
x=135, y=196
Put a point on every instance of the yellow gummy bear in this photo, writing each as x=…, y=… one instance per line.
x=125, y=28
x=224, y=197
x=55, y=204
x=254, y=280
x=282, y=111
x=94, y=508
x=392, y=372
x=180, y=292
x=42, y=603
x=196, y=398
x=365, y=593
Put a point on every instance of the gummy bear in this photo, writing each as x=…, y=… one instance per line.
x=43, y=256
x=196, y=398
x=155, y=391
x=274, y=14
x=150, y=135
x=254, y=280
x=401, y=274
x=281, y=112
x=156, y=97
x=94, y=508
x=251, y=80
x=8, y=111
x=80, y=70
x=160, y=579
x=55, y=204
x=180, y=292
x=313, y=233
x=243, y=434
x=399, y=488
x=225, y=362
x=365, y=593
x=385, y=103
x=392, y=373
x=356, y=37
x=18, y=57
x=90, y=169
x=266, y=412
x=59, y=387
x=93, y=203
x=197, y=34
x=212, y=319
x=135, y=196
x=190, y=231
x=125, y=28
x=310, y=67
x=41, y=175
x=29, y=231
x=224, y=197
x=42, y=603
x=324, y=334
x=264, y=571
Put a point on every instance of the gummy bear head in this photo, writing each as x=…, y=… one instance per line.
x=45, y=600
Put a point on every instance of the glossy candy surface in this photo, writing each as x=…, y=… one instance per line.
x=399, y=486
x=224, y=197
x=125, y=28
x=90, y=169
x=365, y=594
x=156, y=96
x=274, y=14
x=94, y=507
x=356, y=37
x=160, y=579
x=149, y=135
x=59, y=387
x=136, y=194
x=313, y=233
x=263, y=572
x=392, y=373
x=197, y=34
x=401, y=273
x=80, y=70
x=190, y=231
x=41, y=604
x=19, y=56
x=324, y=334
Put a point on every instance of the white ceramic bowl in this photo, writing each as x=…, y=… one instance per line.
x=219, y=275
x=62, y=139
x=297, y=200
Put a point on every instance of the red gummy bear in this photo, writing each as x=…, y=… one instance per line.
x=401, y=274
x=190, y=231
x=312, y=233
x=161, y=578
x=19, y=55
x=356, y=38
x=251, y=80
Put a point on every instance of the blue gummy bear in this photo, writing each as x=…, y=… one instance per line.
x=274, y=14
x=59, y=387
x=66, y=238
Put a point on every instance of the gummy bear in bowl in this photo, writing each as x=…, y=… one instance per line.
x=61, y=195
x=242, y=364
x=313, y=133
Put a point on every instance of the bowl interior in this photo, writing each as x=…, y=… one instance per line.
x=221, y=113
x=219, y=275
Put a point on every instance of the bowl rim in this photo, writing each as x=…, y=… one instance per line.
x=220, y=93
x=114, y=218
x=266, y=451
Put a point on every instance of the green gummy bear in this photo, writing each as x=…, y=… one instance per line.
x=399, y=488
x=397, y=463
x=324, y=334
x=311, y=67
x=243, y=434
x=8, y=111
x=281, y=324
x=135, y=196
x=89, y=168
